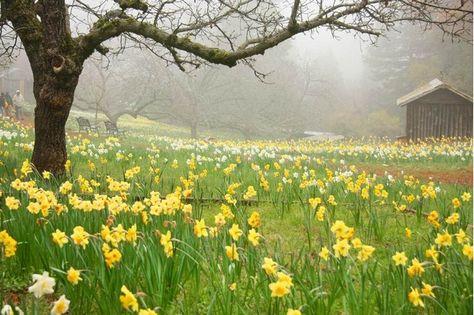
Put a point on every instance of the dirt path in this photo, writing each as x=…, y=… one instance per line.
x=455, y=176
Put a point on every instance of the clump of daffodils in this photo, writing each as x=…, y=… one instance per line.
x=344, y=242
x=284, y=282
x=8, y=243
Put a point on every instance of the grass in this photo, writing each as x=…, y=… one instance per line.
x=198, y=277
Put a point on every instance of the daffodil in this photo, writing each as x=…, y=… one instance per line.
x=320, y=213
x=444, y=239
x=341, y=248
x=416, y=268
x=254, y=220
x=432, y=253
x=235, y=232
x=46, y=175
x=12, y=203
x=43, y=284
x=269, y=266
x=466, y=197
x=365, y=252
x=60, y=238
x=61, y=306
x=9, y=243
x=279, y=289
x=467, y=251
x=73, y=276
x=456, y=203
x=231, y=252
x=285, y=278
x=461, y=236
x=453, y=218
x=80, y=236
x=254, y=237
x=324, y=253
x=200, y=228
x=147, y=312
x=128, y=300
x=427, y=290
x=407, y=232
x=415, y=298
x=131, y=235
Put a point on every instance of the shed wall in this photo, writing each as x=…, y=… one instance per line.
x=425, y=120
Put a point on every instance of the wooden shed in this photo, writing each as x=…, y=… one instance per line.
x=435, y=110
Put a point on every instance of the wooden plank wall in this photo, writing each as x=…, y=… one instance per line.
x=437, y=120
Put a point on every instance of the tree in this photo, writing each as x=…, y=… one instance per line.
x=119, y=89
x=184, y=32
x=192, y=100
x=403, y=61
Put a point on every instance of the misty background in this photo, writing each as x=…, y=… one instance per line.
x=342, y=85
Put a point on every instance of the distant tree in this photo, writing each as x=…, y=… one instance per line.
x=117, y=91
x=194, y=100
x=323, y=92
x=405, y=60
x=231, y=101
x=182, y=32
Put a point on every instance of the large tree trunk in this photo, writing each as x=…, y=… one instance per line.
x=54, y=97
x=56, y=64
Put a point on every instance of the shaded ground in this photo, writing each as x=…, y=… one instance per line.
x=461, y=176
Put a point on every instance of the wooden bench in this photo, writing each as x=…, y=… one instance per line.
x=111, y=129
x=85, y=125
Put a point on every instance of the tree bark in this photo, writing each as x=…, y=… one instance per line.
x=54, y=97
x=56, y=63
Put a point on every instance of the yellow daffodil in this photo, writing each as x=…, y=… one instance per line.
x=415, y=298
x=269, y=266
x=128, y=300
x=73, y=276
x=231, y=252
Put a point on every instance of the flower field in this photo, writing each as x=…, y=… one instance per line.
x=155, y=225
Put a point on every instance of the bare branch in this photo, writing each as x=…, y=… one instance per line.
x=370, y=17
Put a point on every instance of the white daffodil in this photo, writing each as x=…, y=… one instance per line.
x=44, y=284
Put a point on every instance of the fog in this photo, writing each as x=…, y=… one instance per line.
x=346, y=49
x=345, y=86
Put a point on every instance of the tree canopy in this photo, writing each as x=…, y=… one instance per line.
x=221, y=32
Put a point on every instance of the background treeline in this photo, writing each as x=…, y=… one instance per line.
x=297, y=94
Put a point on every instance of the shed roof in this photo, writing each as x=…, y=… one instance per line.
x=426, y=89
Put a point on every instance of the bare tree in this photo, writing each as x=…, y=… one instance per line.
x=193, y=100
x=112, y=92
x=182, y=32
